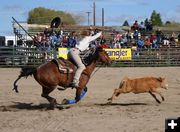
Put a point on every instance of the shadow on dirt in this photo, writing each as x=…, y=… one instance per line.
x=43, y=107
x=28, y=106
x=121, y=104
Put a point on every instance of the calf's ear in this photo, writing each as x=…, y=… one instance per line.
x=161, y=79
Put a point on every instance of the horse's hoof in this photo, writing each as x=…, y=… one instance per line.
x=51, y=107
x=110, y=102
x=65, y=101
x=109, y=99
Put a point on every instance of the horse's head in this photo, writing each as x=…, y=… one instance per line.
x=103, y=56
x=95, y=55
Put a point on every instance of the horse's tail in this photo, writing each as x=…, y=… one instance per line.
x=25, y=72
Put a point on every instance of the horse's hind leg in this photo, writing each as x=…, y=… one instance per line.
x=45, y=93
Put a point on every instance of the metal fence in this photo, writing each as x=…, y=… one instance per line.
x=160, y=57
x=21, y=56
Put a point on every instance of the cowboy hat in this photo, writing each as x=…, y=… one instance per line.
x=55, y=22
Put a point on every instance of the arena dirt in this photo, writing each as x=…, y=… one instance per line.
x=26, y=111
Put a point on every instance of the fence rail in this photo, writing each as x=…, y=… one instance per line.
x=153, y=58
x=20, y=56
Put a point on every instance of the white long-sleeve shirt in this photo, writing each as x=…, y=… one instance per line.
x=84, y=43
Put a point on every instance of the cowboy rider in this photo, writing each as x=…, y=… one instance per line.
x=74, y=54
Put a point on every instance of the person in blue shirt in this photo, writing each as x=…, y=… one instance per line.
x=140, y=44
x=71, y=41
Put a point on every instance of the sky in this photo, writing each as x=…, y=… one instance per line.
x=116, y=11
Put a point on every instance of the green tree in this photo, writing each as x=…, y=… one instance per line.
x=167, y=23
x=156, y=19
x=43, y=15
x=146, y=22
x=126, y=23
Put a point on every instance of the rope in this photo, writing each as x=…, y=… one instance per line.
x=86, y=54
x=96, y=71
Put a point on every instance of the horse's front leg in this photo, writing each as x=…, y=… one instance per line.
x=80, y=93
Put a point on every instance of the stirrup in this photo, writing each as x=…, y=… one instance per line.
x=74, y=85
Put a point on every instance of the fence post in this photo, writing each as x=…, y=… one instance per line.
x=13, y=62
x=168, y=57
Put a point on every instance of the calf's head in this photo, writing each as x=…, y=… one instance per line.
x=163, y=82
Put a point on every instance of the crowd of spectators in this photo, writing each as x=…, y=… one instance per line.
x=51, y=39
x=141, y=36
x=142, y=26
x=134, y=38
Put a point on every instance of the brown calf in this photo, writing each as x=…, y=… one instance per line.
x=140, y=85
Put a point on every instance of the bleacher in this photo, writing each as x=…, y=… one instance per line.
x=163, y=56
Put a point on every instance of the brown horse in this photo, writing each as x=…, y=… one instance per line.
x=49, y=75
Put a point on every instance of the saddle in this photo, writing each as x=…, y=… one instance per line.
x=64, y=65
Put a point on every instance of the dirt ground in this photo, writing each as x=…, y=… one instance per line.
x=26, y=111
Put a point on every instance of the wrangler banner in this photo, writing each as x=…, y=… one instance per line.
x=62, y=52
x=119, y=54
x=114, y=54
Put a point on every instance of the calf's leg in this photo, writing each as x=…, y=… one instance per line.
x=116, y=93
x=154, y=96
x=162, y=97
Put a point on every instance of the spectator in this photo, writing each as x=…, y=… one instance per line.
x=111, y=44
x=39, y=41
x=147, y=43
x=141, y=26
x=178, y=37
x=128, y=36
x=117, y=44
x=35, y=40
x=136, y=35
x=134, y=50
x=140, y=44
x=135, y=26
x=91, y=31
x=46, y=32
x=64, y=41
x=153, y=41
x=159, y=36
x=54, y=40
x=152, y=38
x=118, y=37
x=71, y=41
x=173, y=36
x=124, y=41
x=149, y=26
x=166, y=41
x=44, y=43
